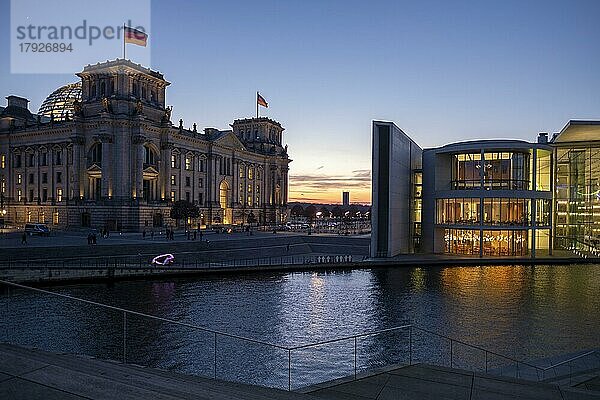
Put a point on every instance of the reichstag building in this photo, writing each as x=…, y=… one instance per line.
x=104, y=153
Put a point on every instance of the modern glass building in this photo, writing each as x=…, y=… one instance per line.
x=487, y=198
x=577, y=187
x=493, y=198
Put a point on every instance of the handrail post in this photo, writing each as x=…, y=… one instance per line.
x=124, y=337
x=486, y=361
x=410, y=345
x=451, y=353
x=289, y=370
x=354, y=357
x=215, y=358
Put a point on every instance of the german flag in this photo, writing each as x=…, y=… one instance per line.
x=135, y=36
x=261, y=101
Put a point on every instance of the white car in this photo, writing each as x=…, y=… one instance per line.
x=163, y=259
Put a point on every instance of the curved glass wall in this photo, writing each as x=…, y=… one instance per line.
x=497, y=170
x=490, y=211
x=491, y=242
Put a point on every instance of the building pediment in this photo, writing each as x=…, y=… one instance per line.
x=229, y=139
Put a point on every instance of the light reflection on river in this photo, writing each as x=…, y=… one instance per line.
x=526, y=312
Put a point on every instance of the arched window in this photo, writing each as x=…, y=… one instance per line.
x=93, y=90
x=223, y=188
x=149, y=157
x=102, y=89
x=134, y=89
x=96, y=153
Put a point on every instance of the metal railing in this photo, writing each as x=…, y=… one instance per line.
x=142, y=262
x=411, y=345
x=578, y=361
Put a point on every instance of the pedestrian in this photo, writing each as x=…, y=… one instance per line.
x=195, y=233
x=24, y=238
x=188, y=235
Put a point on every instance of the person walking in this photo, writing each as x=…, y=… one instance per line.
x=24, y=238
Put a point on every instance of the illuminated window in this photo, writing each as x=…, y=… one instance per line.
x=19, y=195
x=173, y=161
x=3, y=161
x=250, y=201
x=59, y=194
x=19, y=179
x=173, y=180
x=28, y=216
x=55, y=217
x=241, y=172
x=249, y=188
x=172, y=196
x=3, y=185
x=188, y=163
x=250, y=173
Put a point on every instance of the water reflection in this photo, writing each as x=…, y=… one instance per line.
x=522, y=311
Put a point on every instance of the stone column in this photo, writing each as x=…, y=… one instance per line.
x=166, y=156
x=138, y=143
x=106, y=189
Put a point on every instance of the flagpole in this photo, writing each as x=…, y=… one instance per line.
x=123, y=41
x=257, y=105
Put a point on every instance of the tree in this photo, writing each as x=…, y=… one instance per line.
x=337, y=211
x=251, y=218
x=310, y=212
x=324, y=212
x=297, y=210
x=183, y=209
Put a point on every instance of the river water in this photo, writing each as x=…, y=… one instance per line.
x=524, y=312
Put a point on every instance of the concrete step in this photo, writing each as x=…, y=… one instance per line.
x=74, y=375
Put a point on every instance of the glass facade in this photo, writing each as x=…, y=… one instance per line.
x=502, y=242
x=507, y=225
x=577, y=194
x=495, y=170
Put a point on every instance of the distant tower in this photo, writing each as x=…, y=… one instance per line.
x=345, y=198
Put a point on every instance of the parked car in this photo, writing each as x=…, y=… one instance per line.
x=37, y=229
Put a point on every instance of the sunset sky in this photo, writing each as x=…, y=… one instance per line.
x=442, y=70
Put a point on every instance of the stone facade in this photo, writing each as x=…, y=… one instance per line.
x=118, y=162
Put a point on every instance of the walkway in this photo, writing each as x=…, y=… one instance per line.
x=425, y=382
x=34, y=374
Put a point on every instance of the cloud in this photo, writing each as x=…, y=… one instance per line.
x=363, y=173
x=359, y=179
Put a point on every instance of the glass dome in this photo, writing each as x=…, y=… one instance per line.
x=60, y=102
